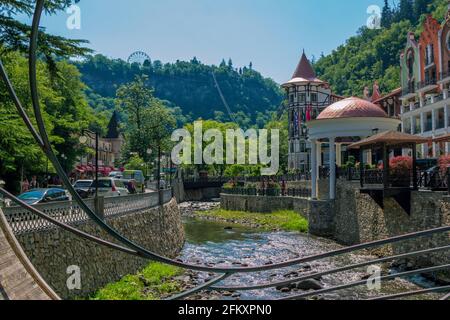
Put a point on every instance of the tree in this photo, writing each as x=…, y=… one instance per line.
x=406, y=10
x=65, y=112
x=187, y=85
x=134, y=99
x=420, y=7
x=14, y=35
x=150, y=123
x=386, y=15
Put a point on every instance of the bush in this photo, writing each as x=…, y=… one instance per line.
x=400, y=164
x=444, y=163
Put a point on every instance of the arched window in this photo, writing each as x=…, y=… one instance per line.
x=410, y=64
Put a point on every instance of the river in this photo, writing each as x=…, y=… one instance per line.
x=219, y=244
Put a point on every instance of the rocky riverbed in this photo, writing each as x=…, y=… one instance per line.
x=226, y=244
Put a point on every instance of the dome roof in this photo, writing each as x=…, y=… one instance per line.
x=352, y=108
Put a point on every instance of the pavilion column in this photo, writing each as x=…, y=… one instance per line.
x=314, y=167
x=332, y=169
x=339, y=154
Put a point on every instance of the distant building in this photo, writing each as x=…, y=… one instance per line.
x=115, y=137
x=308, y=96
x=425, y=75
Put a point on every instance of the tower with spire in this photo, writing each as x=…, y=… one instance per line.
x=307, y=96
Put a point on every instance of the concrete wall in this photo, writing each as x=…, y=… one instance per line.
x=262, y=204
x=201, y=194
x=52, y=251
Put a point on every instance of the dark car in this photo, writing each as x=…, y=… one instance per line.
x=83, y=188
x=37, y=196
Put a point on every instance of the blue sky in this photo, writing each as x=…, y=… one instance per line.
x=270, y=33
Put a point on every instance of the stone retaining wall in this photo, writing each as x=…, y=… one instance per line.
x=52, y=251
x=359, y=219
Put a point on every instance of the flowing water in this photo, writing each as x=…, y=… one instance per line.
x=221, y=244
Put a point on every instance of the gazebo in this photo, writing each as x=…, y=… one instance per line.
x=386, y=141
x=386, y=182
x=342, y=123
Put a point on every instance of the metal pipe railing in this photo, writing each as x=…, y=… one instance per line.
x=135, y=249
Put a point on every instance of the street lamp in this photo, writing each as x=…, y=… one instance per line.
x=149, y=153
x=64, y=158
x=83, y=140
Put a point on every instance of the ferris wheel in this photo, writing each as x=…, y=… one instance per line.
x=138, y=57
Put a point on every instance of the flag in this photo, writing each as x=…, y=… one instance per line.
x=308, y=113
x=296, y=122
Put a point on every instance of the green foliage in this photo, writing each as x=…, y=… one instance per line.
x=135, y=163
x=373, y=55
x=14, y=35
x=152, y=283
x=65, y=111
x=189, y=85
x=283, y=220
x=149, y=122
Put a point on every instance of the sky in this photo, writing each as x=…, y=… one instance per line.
x=269, y=33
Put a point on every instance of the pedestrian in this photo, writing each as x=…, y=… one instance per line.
x=283, y=187
x=25, y=185
x=34, y=184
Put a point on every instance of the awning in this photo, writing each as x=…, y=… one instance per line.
x=390, y=138
x=444, y=138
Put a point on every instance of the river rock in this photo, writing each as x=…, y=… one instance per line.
x=309, y=284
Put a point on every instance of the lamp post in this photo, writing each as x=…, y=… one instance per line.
x=64, y=158
x=149, y=153
x=83, y=140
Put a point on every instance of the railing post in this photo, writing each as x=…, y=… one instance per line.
x=99, y=203
x=448, y=180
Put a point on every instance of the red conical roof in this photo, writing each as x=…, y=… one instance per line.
x=303, y=73
x=304, y=69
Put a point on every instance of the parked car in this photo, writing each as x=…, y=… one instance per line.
x=83, y=188
x=137, y=176
x=115, y=175
x=110, y=187
x=37, y=196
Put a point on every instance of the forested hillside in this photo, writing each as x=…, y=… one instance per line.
x=374, y=54
x=188, y=85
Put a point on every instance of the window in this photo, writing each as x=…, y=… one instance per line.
x=428, y=122
x=410, y=64
x=313, y=97
x=302, y=147
x=302, y=97
x=448, y=41
x=429, y=55
x=291, y=98
x=407, y=125
x=417, y=125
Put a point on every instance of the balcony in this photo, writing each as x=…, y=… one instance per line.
x=427, y=85
x=444, y=77
x=409, y=92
